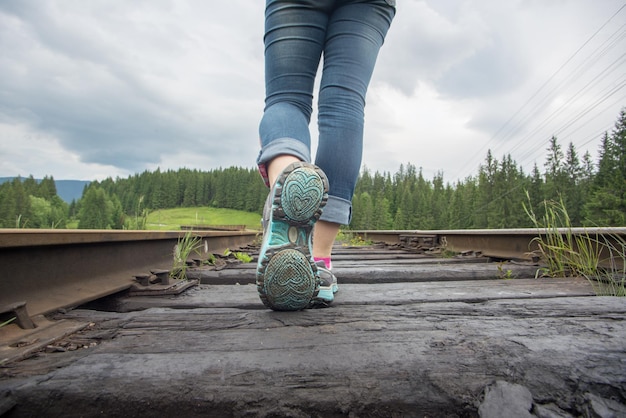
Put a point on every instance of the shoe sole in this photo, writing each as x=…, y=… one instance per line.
x=287, y=278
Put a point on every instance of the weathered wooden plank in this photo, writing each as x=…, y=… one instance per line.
x=383, y=273
x=352, y=261
x=246, y=297
x=418, y=359
x=405, y=337
x=17, y=344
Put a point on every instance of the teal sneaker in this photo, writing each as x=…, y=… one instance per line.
x=287, y=278
x=328, y=286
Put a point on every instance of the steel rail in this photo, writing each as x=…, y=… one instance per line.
x=496, y=243
x=55, y=269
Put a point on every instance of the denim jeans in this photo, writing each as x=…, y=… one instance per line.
x=349, y=34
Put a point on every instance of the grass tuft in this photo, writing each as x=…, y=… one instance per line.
x=187, y=244
x=600, y=258
x=350, y=239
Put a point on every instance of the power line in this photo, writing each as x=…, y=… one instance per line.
x=509, y=128
x=545, y=123
x=551, y=117
x=576, y=122
x=576, y=119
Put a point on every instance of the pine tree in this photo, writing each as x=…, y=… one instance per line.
x=555, y=175
x=405, y=208
x=30, y=186
x=21, y=210
x=7, y=206
x=535, y=189
x=422, y=213
x=486, y=190
x=100, y=211
x=47, y=188
x=606, y=205
x=572, y=193
x=440, y=205
x=362, y=212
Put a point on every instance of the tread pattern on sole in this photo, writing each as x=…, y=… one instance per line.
x=287, y=277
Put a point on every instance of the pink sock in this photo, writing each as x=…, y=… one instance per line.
x=326, y=260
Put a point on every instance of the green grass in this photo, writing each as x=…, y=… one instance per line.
x=348, y=238
x=600, y=259
x=172, y=219
x=187, y=245
x=7, y=322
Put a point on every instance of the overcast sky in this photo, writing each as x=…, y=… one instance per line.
x=96, y=89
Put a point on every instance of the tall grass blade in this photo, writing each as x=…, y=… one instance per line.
x=569, y=254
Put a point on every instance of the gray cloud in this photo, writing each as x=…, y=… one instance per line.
x=126, y=86
x=490, y=71
x=423, y=44
x=117, y=86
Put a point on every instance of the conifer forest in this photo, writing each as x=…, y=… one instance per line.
x=593, y=190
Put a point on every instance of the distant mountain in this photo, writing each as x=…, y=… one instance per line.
x=67, y=190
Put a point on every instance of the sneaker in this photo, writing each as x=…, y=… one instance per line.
x=287, y=278
x=328, y=285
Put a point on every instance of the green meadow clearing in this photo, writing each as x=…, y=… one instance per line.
x=172, y=219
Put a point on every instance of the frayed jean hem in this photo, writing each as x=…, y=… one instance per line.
x=284, y=146
x=337, y=210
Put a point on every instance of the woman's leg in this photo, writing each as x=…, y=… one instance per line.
x=294, y=40
x=287, y=277
x=355, y=33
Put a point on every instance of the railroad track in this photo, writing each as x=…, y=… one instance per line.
x=409, y=334
x=47, y=270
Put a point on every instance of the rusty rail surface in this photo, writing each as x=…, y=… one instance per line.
x=54, y=269
x=496, y=243
x=46, y=270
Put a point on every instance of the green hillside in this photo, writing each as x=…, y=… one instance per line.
x=172, y=219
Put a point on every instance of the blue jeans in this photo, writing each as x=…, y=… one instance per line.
x=349, y=33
